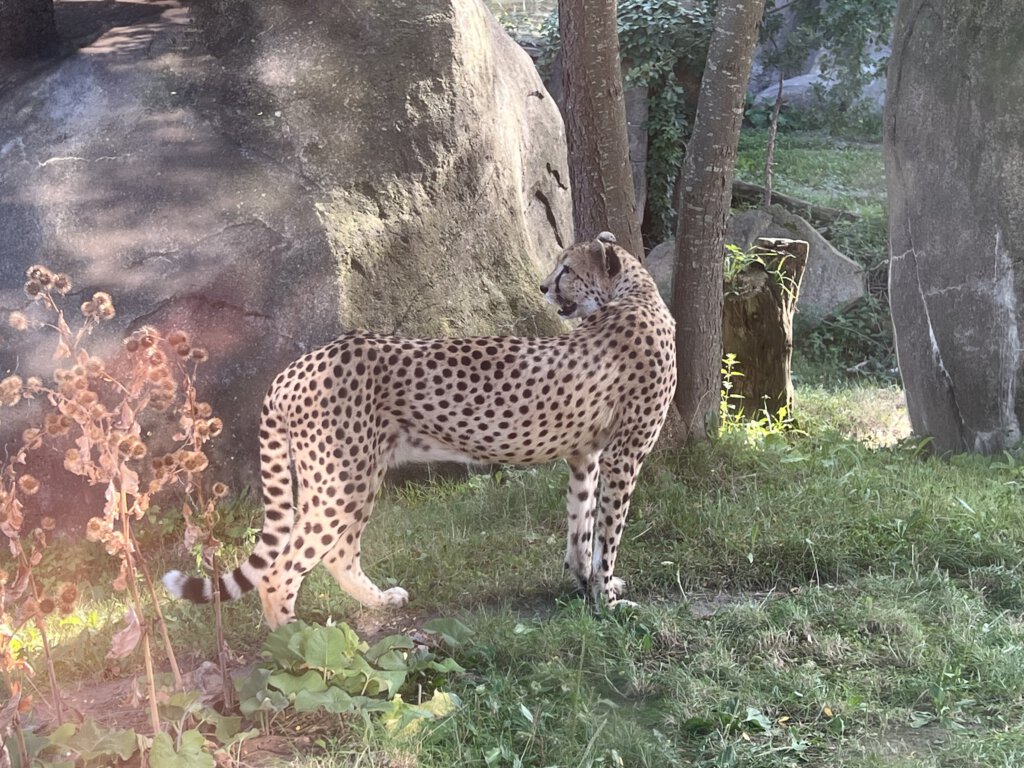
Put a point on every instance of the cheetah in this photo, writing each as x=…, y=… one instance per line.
x=596, y=396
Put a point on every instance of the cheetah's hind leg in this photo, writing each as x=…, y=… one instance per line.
x=343, y=562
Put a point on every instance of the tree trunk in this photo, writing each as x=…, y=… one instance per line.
x=27, y=28
x=757, y=327
x=595, y=123
x=703, y=208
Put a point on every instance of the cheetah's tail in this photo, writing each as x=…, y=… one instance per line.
x=275, y=467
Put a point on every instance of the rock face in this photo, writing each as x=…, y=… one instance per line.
x=955, y=169
x=831, y=282
x=269, y=176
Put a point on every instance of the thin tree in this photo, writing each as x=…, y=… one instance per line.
x=595, y=123
x=703, y=208
x=27, y=28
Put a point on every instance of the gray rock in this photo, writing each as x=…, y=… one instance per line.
x=831, y=282
x=271, y=176
x=954, y=154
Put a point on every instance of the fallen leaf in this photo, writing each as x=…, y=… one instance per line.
x=125, y=641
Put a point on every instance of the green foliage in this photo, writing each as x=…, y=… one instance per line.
x=313, y=668
x=734, y=418
x=847, y=31
x=658, y=40
x=196, y=733
x=858, y=341
x=737, y=261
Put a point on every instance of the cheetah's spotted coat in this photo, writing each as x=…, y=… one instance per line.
x=596, y=397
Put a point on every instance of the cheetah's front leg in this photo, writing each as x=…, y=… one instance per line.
x=580, y=505
x=619, y=470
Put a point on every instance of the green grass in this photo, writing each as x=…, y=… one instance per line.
x=811, y=600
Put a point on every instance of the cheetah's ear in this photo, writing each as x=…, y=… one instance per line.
x=612, y=262
x=604, y=251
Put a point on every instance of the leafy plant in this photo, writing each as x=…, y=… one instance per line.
x=734, y=418
x=738, y=260
x=314, y=667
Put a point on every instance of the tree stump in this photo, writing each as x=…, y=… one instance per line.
x=757, y=326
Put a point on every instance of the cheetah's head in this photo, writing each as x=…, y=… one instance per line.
x=585, y=276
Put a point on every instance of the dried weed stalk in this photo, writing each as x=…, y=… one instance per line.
x=94, y=411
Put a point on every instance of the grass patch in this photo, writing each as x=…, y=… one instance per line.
x=814, y=600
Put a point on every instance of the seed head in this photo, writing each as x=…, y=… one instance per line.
x=33, y=289
x=94, y=529
x=176, y=338
x=94, y=366
x=47, y=523
x=200, y=355
x=28, y=485
x=40, y=274
x=17, y=321
x=67, y=594
x=47, y=606
x=62, y=283
x=219, y=490
x=195, y=461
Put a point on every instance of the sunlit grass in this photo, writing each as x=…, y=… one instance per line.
x=831, y=598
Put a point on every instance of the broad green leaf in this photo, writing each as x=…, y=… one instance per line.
x=191, y=755
x=386, y=682
x=290, y=684
x=394, y=660
x=452, y=631
x=390, y=643
x=226, y=727
x=758, y=718
x=179, y=704
x=446, y=666
x=264, y=701
x=92, y=741
x=333, y=700
x=281, y=645
x=326, y=649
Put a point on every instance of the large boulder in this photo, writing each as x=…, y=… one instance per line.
x=277, y=172
x=954, y=152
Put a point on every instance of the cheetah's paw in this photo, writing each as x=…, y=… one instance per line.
x=615, y=590
x=396, y=596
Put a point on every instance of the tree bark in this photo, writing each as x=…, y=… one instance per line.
x=757, y=327
x=703, y=207
x=27, y=28
x=595, y=123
